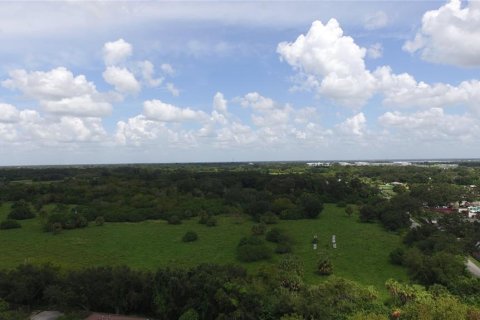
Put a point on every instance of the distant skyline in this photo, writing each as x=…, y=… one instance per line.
x=86, y=82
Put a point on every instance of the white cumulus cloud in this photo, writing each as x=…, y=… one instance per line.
x=116, y=52
x=164, y=112
x=123, y=80
x=449, y=35
x=330, y=63
x=355, y=125
x=432, y=125
x=220, y=103
x=59, y=91
x=256, y=101
x=8, y=113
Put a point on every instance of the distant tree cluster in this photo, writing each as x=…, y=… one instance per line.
x=131, y=194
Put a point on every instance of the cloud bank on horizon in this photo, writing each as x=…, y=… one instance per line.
x=160, y=83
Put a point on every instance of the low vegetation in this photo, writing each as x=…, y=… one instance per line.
x=246, y=242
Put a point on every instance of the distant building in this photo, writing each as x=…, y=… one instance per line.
x=473, y=211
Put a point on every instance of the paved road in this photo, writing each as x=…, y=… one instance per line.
x=47, y=315
x=472, y=267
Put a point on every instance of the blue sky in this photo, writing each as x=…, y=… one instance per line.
x=117, y=82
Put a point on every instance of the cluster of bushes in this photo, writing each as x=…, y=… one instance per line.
x=253, y=248
x=10, y=224
x=63, y=221
x=190, y=236
x=21, y=210
x=394, y=214
x=207, y=219
x=281, y=238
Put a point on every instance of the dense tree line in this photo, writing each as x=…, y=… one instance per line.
x=135, y=194
x=220, y=292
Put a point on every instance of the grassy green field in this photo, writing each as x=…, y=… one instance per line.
x=361, y=254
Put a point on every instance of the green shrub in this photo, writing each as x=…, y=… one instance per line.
x=211, y=222
x=396, y=256
x=349, y=210
x=57, y=228
x=10, y=224
x=324, y=266
x=253, y=249
x=283, y=248
x=66, y=221
x=190, y=314
x=269, y=218
x=20, y=211
x=259, y=229
x=203, y=217
x=174, y=219
x=291, y=214
x=277, y=235
x=99, y=221
x=189, y=236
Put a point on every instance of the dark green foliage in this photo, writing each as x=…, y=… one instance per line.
x=293, y=213
x=56, y=228
x=394, y=214
x=253, y=249
x=349, y=210
x=441, y=268
x=174, y=220
x=277, y=235
x=397, y=256
x=283, y=248
x=76, y=315
x=324, y=266
x=21, y=210
x=133, y=194
x=65, y=221
x=341, y=204
x=203, y=217
x=10, y=224
x=336, y=298
x=269, y=218
x=311, y=205
x=99, y=221
x=368, y=213
x=259, y=229
x=190, y=314
x=211, y=222
x=189, y=236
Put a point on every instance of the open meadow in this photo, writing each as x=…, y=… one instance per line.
x=361, y=254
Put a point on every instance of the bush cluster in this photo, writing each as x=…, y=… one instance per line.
x=189, y=236
x=253, y=249
x=10, y=224
x=20, y=211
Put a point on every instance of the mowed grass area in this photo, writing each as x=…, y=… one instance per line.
x=361, y=254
